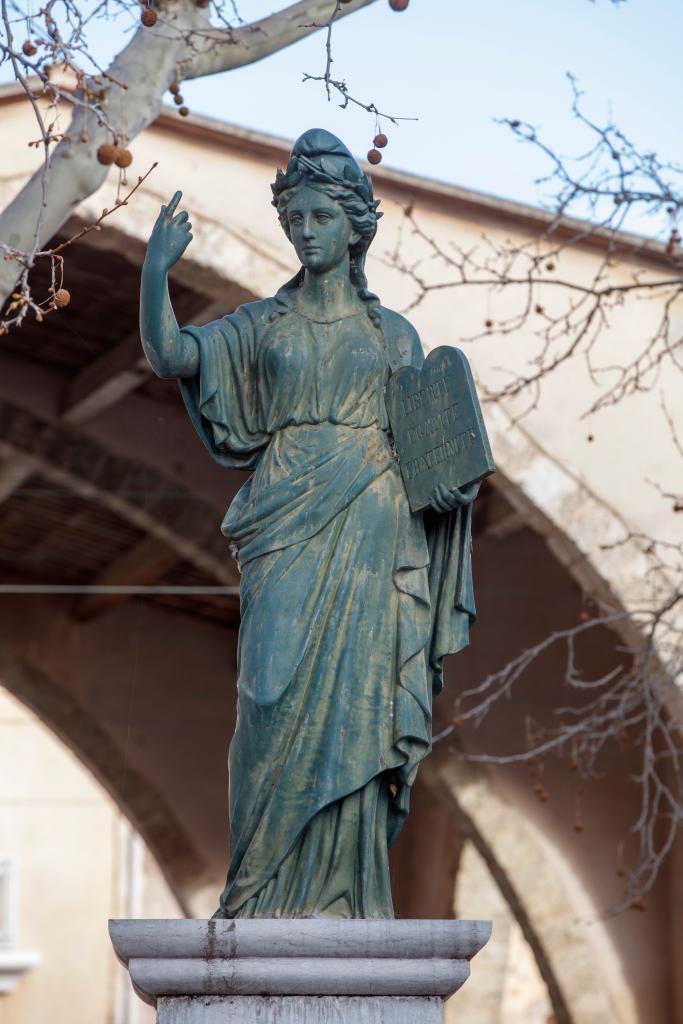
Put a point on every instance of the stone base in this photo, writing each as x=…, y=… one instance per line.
x=299, y=1010
x=323, y=971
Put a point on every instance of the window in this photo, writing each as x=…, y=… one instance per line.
x=8, y=886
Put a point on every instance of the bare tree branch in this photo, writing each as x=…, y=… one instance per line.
x=608, y=184
x=224, y=50
x=637, y=703
x=111, y=107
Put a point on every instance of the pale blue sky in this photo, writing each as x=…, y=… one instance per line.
x=459, y=64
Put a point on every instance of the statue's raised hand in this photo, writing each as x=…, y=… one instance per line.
x=171, y=235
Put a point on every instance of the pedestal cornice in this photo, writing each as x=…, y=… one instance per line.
x=323, y=957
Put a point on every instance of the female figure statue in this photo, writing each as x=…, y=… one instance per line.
x=349, y=601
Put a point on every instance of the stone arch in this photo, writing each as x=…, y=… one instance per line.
x=90, y=471
x=584, y=984
x=143, y=805
x=534, y=854
x=539, y=491
x=578, y=527
x=161, y=823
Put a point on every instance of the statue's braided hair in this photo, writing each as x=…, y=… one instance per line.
x=320, y=161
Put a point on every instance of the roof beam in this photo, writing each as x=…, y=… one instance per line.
x=506, y=525
x=180, y=520
x=105, y=380
x=119, y=371
x=15, y=469
x=498, y=518
x=141, y=564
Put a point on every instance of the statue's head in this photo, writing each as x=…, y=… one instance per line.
x=326, y=207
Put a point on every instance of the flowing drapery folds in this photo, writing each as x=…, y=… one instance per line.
x=349, y=604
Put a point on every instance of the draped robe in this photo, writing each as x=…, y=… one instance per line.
x=349, y=603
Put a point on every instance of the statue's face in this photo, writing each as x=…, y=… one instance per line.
x=320, y=230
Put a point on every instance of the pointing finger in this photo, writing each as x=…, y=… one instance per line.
x=170, y=209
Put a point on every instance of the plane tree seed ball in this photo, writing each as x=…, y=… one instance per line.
x=374, y=156
x=62, y=298
x=28, y=49
x=174, y=87
x=124, y=158
x=178, y=99
x=106, y=154
x=148, y=17
x=184, y=111
x=380, y=140
x=398, y=5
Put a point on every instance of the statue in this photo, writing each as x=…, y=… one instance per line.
x=349, y=600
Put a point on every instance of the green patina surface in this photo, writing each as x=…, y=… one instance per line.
x=350, y=601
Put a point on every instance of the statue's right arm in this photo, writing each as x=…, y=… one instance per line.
x=170, y=351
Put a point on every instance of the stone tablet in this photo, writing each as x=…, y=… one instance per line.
x=437, y=425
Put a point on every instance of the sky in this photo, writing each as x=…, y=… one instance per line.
x=457, y=66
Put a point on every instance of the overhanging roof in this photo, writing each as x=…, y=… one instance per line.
x=464, y=202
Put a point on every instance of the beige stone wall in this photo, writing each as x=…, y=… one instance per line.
x=505, y=986
x=77, y=864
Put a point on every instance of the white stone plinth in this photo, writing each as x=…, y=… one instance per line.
x=322, y=971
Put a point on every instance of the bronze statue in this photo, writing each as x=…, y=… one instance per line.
x=349, y=600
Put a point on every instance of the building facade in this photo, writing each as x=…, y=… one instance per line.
x=102, y=481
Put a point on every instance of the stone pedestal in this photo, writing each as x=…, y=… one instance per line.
x=322, y=971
